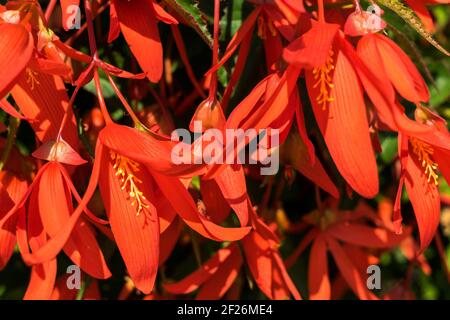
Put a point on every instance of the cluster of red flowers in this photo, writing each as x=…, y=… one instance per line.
x=322, y=55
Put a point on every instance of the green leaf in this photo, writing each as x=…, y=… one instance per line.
x=389, y=147
x=108, y=91
x=232, y=19
x=196, y=182
x=189, y=11
x=410, y=17
x=442, y=15
x=441, y=95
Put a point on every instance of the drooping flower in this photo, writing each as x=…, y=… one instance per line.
x=385, y=58
x=46, y=223
x=133, y=206
x=344, y=235
x=337, y=99
x=420, y=161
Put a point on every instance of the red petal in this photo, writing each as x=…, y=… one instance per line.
x=256, y=112
x=318, y=278
x=55, y=244
x=197, y=278
x=217, y=285
x=17, y=46
x=50, y=67
x=162, y=15
x=244, y=108
x=425, y=200
x=184, y=205
x=365, y=236
x=286, y=279
x=138, y=25
x=137, y=236
x=259, y=261
x=312, y=48
x=379, y=90
x=145, y=148
x=11, y=191
x=231, y=182
x=45, y=103
x=296, y=154
x=55, y=205
x=345, y=127
x=284, y=19
x=169, y=239
x=43, y=275
x=9, y=109
x=114, y=26
x=71, y=52
x=42, y=281
x=349, y=271
x=399, y=68
x=216, y=206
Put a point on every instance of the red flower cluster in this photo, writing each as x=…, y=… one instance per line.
x=332, y=60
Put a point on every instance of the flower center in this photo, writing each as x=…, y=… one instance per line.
x=32, y=78
x=322, y=77
x=424, y=153
x=125, y=170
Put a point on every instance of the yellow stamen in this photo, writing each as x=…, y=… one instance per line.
x=125, y=170
x=424, y=153
x=322, y=75
x=263, y=25
x=261, y=28
x=272, y=29
x=32, y=78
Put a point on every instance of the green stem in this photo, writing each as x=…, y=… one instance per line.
x=84, y=285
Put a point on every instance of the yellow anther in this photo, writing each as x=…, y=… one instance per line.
x=32, y=78
x=424, y=153
x=261, y=28
x=125, y=170
x=322, y=76
x=263, y=25
x=272, y=29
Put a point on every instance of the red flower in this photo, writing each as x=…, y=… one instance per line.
x=383, y=57
x=337, y=99
x=420, y=161
x=125, y=157
x=330, y=228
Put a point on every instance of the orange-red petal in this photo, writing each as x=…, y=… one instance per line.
x=17, y=46
x=139, y=27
